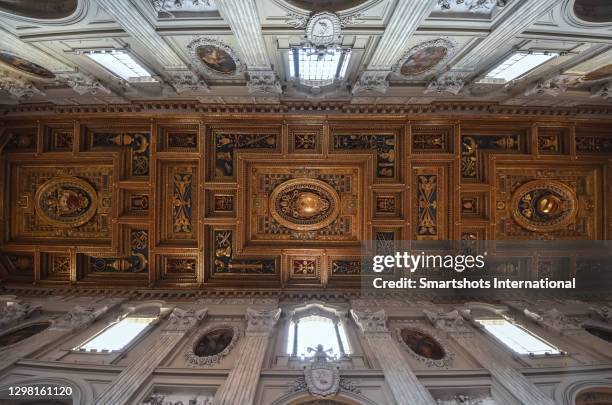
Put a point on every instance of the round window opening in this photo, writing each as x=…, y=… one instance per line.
x=213, y=342
x=423, y=344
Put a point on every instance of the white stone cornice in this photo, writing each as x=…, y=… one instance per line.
x=243, y=19
x=135, y=24
x=516, y=21
x=18, y=87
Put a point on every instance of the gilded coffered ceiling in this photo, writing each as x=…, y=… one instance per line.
x=280, y=51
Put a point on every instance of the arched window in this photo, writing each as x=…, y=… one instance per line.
x=517, y=337
x=315, y=324
x=119, y=334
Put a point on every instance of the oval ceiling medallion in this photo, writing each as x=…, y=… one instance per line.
x=326, y=5
x=594, y=11
x=304, y=204
x=544, y=205
x=25, y=66
x=38, y=9
x=425, y=57
x=422, y=344
x=423, y=60
x=216, y=59
x=65, y=202
x=604, y=72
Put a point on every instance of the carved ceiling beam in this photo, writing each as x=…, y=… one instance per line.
x=517, y=20
x=243, y=19
x=135, y=24
x=406, y=18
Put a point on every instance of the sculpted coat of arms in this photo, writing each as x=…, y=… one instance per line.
x=322, y=376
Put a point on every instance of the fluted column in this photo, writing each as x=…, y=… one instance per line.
x=78, y=318
x=406, y=388
x=130, y=380
x=515, y=383
x=241, y=383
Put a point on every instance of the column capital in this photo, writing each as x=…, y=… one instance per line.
x=182, y=320
x=371, y=321
x=603, y=312
x=372, y=81
x=79, y=317
x=261, y=321
x=449, y=322
x=13, y=311
x=263, y=82
x=555, y=320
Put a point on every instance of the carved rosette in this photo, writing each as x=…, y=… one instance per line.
x=194, y=360
x=304, y=204
x=66, y=202
x=544, y=205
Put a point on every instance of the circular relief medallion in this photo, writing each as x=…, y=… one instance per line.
x=544, y=205
x=66, y=202
x=304, y=204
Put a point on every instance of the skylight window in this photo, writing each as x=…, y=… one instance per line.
x=121, y=64
x=318, y=68
x=517, y=338
x=518, y=64
x=314, y=330
x=117, y=335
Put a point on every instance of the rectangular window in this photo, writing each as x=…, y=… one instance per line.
x=314, y=68
x=117, y=335
x=517, y=338
x=121, y=64
x=518, y=64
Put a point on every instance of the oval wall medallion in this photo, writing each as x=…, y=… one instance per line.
x=22, y=333
x=424, y=57
x=211, y=345
x=594, y=11
x=65, y=201
x=304, y=204
x=215, y=57
x=544, y=205
x=25, y=66
x=424, y=347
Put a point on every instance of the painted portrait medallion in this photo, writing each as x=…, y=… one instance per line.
x=423, y=60
x=304, y=204
x=216, y=59
x=39, y=9
x=65, y=202
x=25, y=66
x=604, y=72
x=544, y=205
x=422, y=344
x=213, y=342
x=594, y=11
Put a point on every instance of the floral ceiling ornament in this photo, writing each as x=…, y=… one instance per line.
x=215, y=58
x=82, y=84
x=472, y=5
x=19, y=87
x=263, y=82
x=448, y=83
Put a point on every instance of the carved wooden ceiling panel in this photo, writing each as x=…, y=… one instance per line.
x=204, y=203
